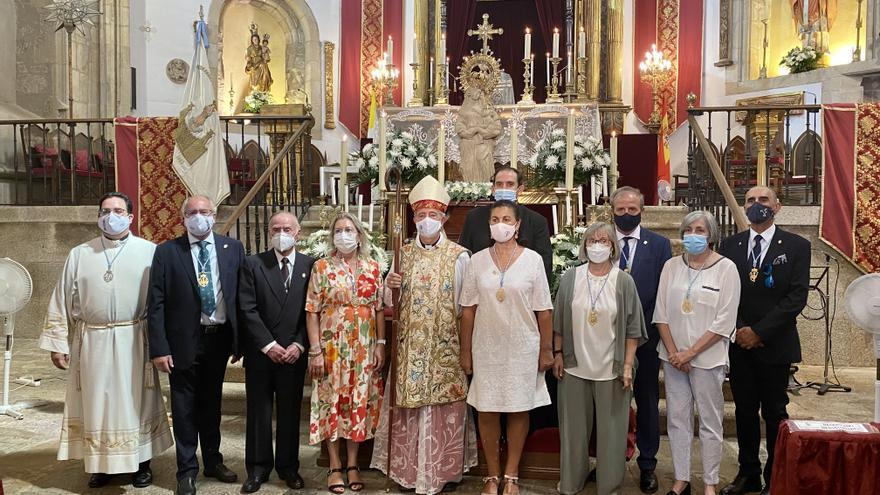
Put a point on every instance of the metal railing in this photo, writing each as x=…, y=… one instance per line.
x=778, y=146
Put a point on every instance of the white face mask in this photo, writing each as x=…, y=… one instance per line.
x=598, y=253
x=199, y=225
x=428, y=226
x=282, y=242
x=113, y=224
x=502, y=232
x=345, y=242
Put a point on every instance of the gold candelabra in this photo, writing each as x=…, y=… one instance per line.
x=582, y=79
x=385, y=77
x=762, y=74
x=553, y=95
x=415, y=101
x=528, y=88
x=442, y=86
x=656, y=70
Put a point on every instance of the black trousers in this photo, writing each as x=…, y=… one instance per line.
x=265, y=383
x=757, y=385
x=195, y=404
x=646, y=391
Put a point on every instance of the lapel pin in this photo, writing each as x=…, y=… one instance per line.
x=779, y=241
x=225, y=246
x=740, y=243
x=645, y=243
x=303, y=275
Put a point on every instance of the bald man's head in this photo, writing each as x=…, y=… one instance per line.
x=766, y=197
x=755, y=194
x=283, y=221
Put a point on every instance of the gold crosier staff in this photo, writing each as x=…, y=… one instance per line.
x=396, y=243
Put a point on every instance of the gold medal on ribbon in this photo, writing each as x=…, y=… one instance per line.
x=203, y=279
x=753, y=274
x=686, y=306
x=499, y=294
x=593, y=317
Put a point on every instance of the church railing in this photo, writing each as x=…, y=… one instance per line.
x=778, y=146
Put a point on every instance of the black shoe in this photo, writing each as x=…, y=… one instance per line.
x=686, y=491
x=294, y=481
x=449, y=487
x=143, y=477
x=252, y=484
x=186, y=486
x=742, y=484
x=97, y=480
x=766, y=490
x=591, y=476
x=648, y=481
x=222, y=473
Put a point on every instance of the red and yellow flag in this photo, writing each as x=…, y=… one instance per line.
x=663, y=172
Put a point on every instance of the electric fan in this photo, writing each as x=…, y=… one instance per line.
x=862, y=304
x=15, y=292
x=664, y=190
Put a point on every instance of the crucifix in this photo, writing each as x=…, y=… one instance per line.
x=485, y=31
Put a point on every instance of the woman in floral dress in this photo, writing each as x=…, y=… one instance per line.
x=347, y=348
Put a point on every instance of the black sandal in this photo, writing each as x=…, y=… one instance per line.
x=338, y=488
x=354, y=486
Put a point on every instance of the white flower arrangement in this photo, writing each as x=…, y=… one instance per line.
x=801, y=59
x=548, y=160
x=255, y=101
x=319, y=245
x=403, y=151
x=469, y=192
x=566, y=246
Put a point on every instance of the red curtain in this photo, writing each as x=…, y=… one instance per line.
x=551, y=14
x=392, y=25
x=460, y=15
x=350, y=66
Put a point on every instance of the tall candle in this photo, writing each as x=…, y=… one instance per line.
x=568, y=220
x=532, y=69
x=447, y=72
x=548, y=68
x=604, y=182
x=555, y=42
x=443, y=45
x=528, y=44
x=415, y=49
x=343, y=171
x=441, y=154
x=555, y=214
x=431, y=74
x=580, y=200
x=613, y=160
x=568, y=69
x=569, y=152
x=582, y=43
x=360, y=208
x=514, y=143
x=390, y=48
x=382, y=151
x=594, y=190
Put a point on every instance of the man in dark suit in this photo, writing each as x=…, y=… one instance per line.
x=643, y=254
x=272, y=297
x=774, y=267
x=193, y=303
x=533, y=230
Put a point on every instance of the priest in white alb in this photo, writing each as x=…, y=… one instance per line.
x=433, y=440
x=114, y=417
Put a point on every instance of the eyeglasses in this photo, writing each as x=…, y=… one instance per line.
x=603, y=241
x=205, y=213
x=118, y=211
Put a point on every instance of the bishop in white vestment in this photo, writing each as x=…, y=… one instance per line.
x=114, y=416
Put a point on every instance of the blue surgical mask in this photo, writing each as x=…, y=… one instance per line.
x=505, y=194
x=695, y=243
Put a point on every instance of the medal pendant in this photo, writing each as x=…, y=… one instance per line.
x=499, y=294
x=753, y=274
x=687, y=307
x=627, y=269
x=203, y=279
x=593, y=317
x=108, y=276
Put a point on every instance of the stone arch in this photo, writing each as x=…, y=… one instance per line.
x=302, y=56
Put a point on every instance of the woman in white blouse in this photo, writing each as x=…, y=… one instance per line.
x=696, y=316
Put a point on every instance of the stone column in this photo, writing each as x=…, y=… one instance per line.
x=613, y=41
x=593, y=18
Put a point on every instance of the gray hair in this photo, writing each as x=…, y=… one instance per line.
x=597, y=228
x=197, y=196
x=620, y=191
x=283, y=213
x=711, y=225
x=363, y=238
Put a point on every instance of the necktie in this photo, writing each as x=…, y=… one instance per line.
x=285, y=272
x=756, y=252
x=206, y=291
x=624, y=256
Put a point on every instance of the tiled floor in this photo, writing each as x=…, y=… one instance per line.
x=28, y=446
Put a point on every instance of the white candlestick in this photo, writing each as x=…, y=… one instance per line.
x=382, y=151
x=431, y=74
x=548, y=68
x=343, y=171
x=390, y=48
x=555, y=42
x=614, y=176
x=360, y=208
x=415, y=49
x=514, y=144
x=443, y=46
x=568, y=220
x=582, y=43
x=370, y=222
x=555, y=219
x=528, y=44
x=580, y=197
x=568, y=69
x=532, y=70
x=447, y=72
x=604, y=182
x=569, y=152
x=333, y=185
x=441, y=154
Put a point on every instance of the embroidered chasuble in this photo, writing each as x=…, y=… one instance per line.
x=428, y=368
x=114, y=417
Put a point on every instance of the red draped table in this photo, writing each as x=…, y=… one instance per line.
x=815, y=461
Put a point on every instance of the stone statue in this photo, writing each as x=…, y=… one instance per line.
x=814, y=19
x=478, y=126
x=257, y=62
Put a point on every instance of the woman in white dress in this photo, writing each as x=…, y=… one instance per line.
x=506, y=327
x=697, y=302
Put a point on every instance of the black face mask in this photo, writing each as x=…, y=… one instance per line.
x=758, y=213
x=627, y=222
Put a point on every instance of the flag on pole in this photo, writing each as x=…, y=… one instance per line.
x=372, y=129
x=663, y=172
x=199, y=155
